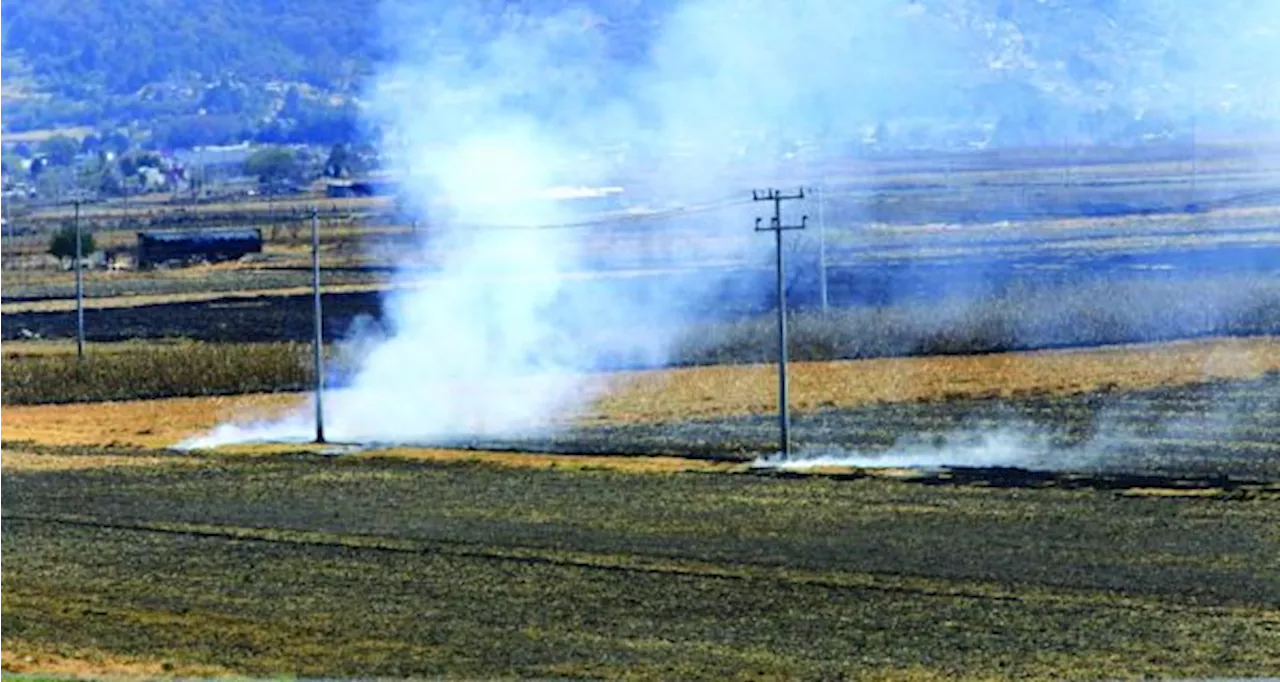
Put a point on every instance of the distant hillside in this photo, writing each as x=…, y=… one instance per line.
x=116, y=47
x=114, y=61
x=236, y=63
x=190, y=72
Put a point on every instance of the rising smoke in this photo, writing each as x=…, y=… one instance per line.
x=482, y=109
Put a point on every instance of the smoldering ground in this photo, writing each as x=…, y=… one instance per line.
x=1223, y=429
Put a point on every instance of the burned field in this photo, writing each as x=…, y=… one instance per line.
x=377, y=566
x=1157, y=561
x=1132, y=531
x=1222, y=430
x=1019, y=297
x=229, y=319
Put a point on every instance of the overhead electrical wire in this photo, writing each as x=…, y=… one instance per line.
x=614, y=218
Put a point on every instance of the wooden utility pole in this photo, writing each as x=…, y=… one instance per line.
x=776, y=226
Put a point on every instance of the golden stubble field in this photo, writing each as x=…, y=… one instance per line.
x=705, y=392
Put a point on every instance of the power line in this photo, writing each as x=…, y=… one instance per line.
x=609, y=220
x=606, y=220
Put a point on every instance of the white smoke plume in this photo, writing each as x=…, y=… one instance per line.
x=1007, y=447
x=490, y=118
x=490, y=106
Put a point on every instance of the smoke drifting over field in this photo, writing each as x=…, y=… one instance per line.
x=489, y=111
x=1008, y=447
x=490, y=117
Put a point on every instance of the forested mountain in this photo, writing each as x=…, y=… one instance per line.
x=208, y=71
x=95, y=61
x=116, y=47
x=237, y=64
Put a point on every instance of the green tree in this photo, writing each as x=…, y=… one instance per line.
x=128, y=166
x=272, y=165
x=91, y=144
x=223, y=98
x=109, y=181
x=115, y=141
x=339, y=163
x=60, y=149
x=63, y=243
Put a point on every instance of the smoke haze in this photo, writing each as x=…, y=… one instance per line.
x=1008, y=447
x=482, y=111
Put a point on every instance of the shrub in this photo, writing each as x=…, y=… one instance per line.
x=63, y=243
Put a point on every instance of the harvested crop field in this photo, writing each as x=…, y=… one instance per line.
x=694, y=393
x=639, y=541
x=723, y=390
x=125, y=557
x=146, y=423
x=324, y=566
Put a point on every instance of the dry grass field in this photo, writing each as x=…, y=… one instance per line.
x=16, y=460
x=714, y=391
x=730, y=390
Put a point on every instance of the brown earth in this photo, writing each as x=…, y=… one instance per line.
x=17, y=658
x=24, y=658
